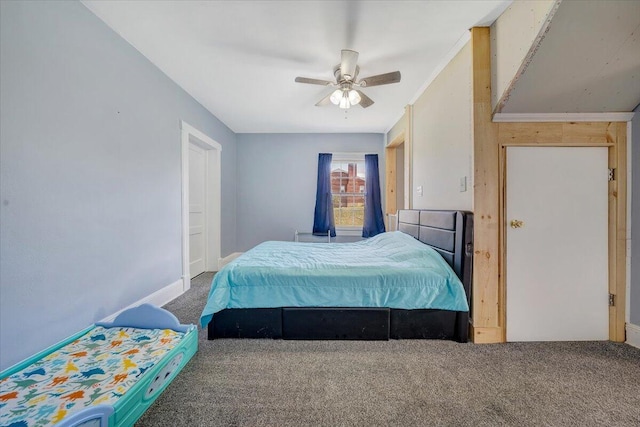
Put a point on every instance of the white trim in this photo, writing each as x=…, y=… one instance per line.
x=346, y=156
x=226, y=260
x=186, y=127
x=159, y=298
x=629, y=225
x=455, y=49
x=190, y=134
x=408, y=163
x=562, y=117
x=633, y=335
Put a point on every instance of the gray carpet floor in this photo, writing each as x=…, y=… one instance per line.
x=399, y=383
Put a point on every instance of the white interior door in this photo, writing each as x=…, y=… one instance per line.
x=197, y=209
x=557, y=260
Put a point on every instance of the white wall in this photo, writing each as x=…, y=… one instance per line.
x=90, y=180
x=277, y=176
x=443, y=138
x=512, y=36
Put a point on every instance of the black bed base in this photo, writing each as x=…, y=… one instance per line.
x=450, y=233
x=313, y=323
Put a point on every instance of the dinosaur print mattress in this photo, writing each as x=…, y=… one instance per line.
x=97, y=368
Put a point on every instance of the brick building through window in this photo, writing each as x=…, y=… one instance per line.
x=348, y=188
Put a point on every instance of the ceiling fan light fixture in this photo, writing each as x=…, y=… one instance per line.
x=354, y=97
x=344, y=102
x=336, y=97
x=346, y=74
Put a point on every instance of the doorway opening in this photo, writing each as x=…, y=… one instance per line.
x=201, y=203
x=397, y=190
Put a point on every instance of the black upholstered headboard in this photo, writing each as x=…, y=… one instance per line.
x=448, y=232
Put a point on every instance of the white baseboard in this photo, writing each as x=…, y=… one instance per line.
x=159, y=298
x=226, y=260
x=633, y=335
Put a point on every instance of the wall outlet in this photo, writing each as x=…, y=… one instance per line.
x=419, y=190
x=463, y=184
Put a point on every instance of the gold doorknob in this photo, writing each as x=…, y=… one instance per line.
x=516, y=223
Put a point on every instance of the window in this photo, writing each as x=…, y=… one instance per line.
x=347, y=188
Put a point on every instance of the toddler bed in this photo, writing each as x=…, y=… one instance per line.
x=106, y=375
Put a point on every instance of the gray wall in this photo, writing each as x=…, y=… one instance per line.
x=90, y=181
x=635, y=220
x=277, y=175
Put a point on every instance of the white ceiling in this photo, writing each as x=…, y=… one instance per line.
x=588, y=62
x=240, y=58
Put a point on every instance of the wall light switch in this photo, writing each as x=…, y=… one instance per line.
x=419, y=190
x=463, y=184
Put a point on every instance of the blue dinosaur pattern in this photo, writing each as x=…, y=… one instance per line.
x=142, y=371
x=94, y=371
x=45, y=411
x=39, y=371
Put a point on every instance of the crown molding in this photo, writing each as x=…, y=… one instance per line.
x=455, y=49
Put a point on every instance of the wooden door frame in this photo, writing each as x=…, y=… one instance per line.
x=213, y=194
x=390, y=160
x=490, y=140
x=586, y=134
x=403, y=137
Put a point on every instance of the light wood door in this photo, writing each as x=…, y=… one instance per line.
x=557, y=257
x=197, y=213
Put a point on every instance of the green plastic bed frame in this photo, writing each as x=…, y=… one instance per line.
x=130, y=407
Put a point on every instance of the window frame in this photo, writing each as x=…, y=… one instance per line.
x=355, y=157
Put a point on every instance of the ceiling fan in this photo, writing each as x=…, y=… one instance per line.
x=346, y=74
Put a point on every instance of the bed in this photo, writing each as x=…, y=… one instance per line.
x=295, y=291
x=105, y=375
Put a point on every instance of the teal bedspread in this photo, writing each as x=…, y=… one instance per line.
x=389, y=270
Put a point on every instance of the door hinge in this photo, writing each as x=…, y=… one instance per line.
x=612, y=300
x=612, y=174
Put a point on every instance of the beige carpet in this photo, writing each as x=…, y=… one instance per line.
x=400, y=383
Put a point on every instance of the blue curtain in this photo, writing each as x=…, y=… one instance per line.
x=323, y=217
x=373, y=219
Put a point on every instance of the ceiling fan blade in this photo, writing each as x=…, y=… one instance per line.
x=324, y=101
x=348, y=64
x=381, y=79
x=313, y=81
x=365, y=101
